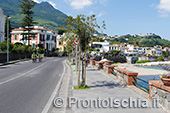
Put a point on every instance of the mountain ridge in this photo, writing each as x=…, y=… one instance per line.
x=44, y=13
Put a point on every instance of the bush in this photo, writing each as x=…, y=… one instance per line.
x=21, y=49
x=169, y=58
x=142, y=61
x=57, y=49
x=30, y=49
x=53, y=49
x=40, y=50
x=73, y=64
x=161, y=58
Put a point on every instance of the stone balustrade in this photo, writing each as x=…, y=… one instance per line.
x=125, y=76
x=160, y=91
x=99, y=64
x=108, y=68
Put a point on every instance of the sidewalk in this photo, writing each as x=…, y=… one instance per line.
x=104, y=87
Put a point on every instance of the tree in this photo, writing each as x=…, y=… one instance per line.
x=82, y=27
x=10, y=28
x=161, y=58
x=27, y=22
x=61, y=31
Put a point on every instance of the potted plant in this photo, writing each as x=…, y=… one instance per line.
x=109, y=62
x=166, y=79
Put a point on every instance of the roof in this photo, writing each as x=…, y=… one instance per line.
x=35, y=28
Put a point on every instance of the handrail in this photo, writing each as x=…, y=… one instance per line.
x=140, y=79
x=114, y=73
x=141, y=85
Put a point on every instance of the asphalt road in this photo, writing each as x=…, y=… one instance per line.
x=26, y=87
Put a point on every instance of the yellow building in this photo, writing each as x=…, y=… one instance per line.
x=61, y=45
x=114, y=47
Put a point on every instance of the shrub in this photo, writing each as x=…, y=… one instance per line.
x=53, y=49
x=40, y=50
x=30, y=49
x=160, y=58
x=143, y=61
x=73, y=64
x=57, y=49
x=169, y=57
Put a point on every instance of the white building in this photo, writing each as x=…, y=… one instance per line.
x=2, y=26
x=42, y=36
x=103, y=46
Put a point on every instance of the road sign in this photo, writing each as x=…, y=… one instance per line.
x=76, y=42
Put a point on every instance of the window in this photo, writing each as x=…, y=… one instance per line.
x=48, y=37
x=60, y=42
x=33, y=45
x=15, y=37
x=41, y=37
x=33, y=37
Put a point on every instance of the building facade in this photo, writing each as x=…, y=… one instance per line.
x=2, y=26
x=46, y=38
x=60, y=43
x=102, y=46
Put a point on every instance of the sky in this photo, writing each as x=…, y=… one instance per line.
x=122, y=16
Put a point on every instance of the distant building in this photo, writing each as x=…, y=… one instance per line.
x=60, y=43
x=114, y=47
x=2, y=26
x=102, y=46
x=46, y=38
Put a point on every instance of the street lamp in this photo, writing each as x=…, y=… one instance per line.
x=8, y=39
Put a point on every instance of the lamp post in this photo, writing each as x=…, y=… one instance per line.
x=8, y=39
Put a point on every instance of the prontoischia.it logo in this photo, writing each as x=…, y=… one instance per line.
x=105, y=103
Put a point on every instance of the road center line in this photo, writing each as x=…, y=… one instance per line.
x=22, y=74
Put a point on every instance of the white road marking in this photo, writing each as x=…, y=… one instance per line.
x=21, y=74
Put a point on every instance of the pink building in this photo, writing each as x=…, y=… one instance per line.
x=42, y=36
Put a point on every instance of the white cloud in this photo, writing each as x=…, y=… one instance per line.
x=100, y=14
x=53, y=4
x=91, y=12
x=79, y=4
x=164, y=8
x=103, y=2
x=36, y=1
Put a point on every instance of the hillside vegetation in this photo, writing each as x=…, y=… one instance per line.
x=148, y=40
x=44, y=13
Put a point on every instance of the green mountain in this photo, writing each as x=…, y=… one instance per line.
x=147, y=40
x=44, y=13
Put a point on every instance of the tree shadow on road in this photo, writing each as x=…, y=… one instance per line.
x=92, y=70
x=105, y=84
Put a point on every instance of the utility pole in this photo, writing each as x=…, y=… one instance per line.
x=8, y=39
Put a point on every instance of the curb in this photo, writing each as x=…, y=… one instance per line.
x=23, y=60
x=13, y=62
